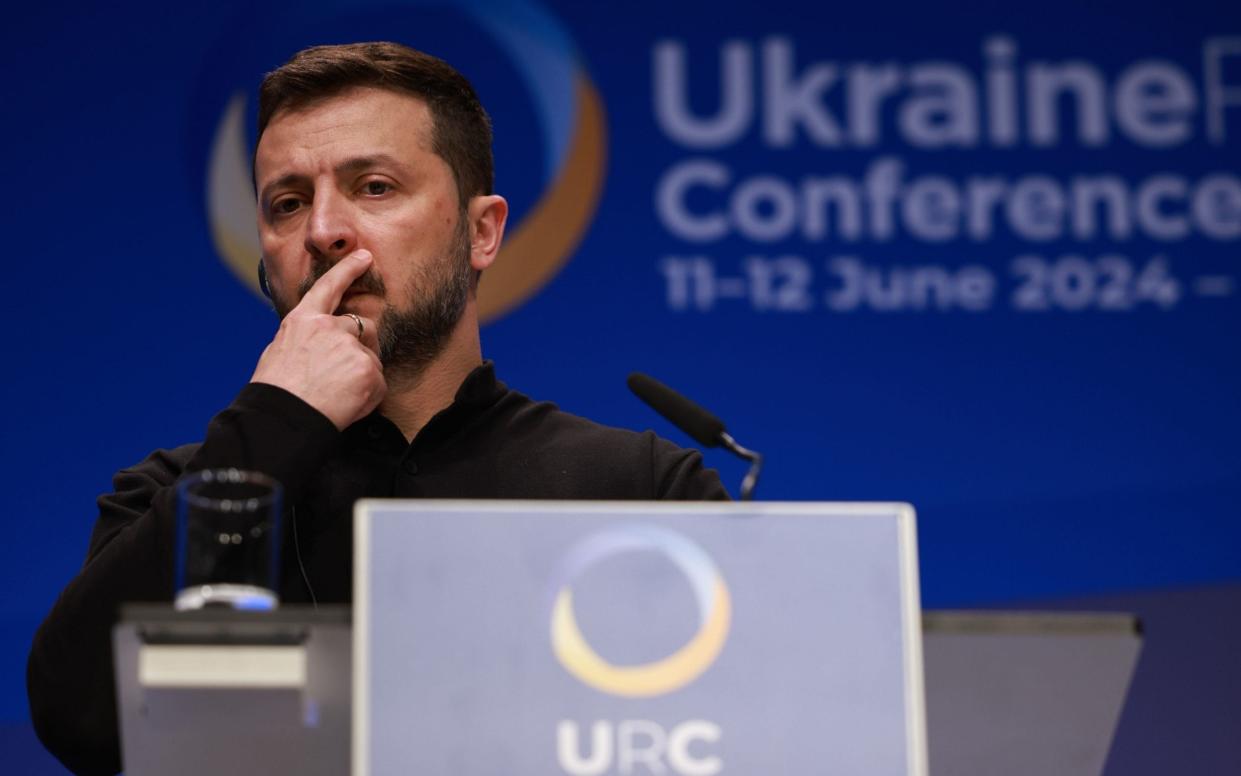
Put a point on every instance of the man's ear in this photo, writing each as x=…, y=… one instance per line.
x=487, y=215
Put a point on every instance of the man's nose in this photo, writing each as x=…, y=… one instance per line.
x=330, y=232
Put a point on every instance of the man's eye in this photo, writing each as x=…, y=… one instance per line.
x=376, y=188
x=285, y=206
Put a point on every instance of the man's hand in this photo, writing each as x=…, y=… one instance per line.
x=319, y=357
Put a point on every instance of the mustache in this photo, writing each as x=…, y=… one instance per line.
x=368, y=283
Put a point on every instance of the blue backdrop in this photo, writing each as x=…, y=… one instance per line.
x=979, y=257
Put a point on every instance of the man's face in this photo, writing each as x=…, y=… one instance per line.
x=357, y=171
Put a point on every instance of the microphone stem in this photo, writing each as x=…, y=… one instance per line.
x=756, y=464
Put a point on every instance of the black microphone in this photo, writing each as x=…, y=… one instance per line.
x=705, y=428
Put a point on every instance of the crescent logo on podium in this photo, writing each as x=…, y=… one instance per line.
x=662, y=676
x=571, y=117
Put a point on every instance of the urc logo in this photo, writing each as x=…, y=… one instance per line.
x=632, y=742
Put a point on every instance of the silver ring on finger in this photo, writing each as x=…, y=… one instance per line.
x=358, y=321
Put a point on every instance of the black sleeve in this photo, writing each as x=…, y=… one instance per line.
x=130, y=558
x=678, y=474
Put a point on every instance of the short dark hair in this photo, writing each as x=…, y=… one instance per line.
x=461, y=129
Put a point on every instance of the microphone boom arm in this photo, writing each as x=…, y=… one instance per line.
x=756, y=464
x=706, y=429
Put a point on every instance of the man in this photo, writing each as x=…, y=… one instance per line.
x=376, y=216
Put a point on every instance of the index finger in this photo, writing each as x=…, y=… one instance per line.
x=325, y=295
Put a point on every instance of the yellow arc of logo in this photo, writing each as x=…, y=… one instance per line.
x=640, y=681
x=550, y=233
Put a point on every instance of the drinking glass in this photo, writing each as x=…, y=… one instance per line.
x=228, y=535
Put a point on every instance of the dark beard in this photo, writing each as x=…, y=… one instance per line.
x=411, y=339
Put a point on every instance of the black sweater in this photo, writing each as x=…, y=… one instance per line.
x=492, y=442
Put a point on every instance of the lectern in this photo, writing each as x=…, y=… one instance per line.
x=610, y=638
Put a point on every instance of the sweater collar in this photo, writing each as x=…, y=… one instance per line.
x=479, y=390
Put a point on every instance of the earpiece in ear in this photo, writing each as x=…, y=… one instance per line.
x=266, y=289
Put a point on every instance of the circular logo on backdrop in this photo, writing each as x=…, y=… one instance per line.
x=661, y=676
x=573, y=134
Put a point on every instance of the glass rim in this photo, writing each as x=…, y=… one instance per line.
x=229, y=476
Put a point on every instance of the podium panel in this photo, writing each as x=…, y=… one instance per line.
x=215, y=691
x=602, y=638
x=1025, y=693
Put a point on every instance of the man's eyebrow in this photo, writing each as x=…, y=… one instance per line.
x=362, y=163
x=288, y=179
x=354, y=166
